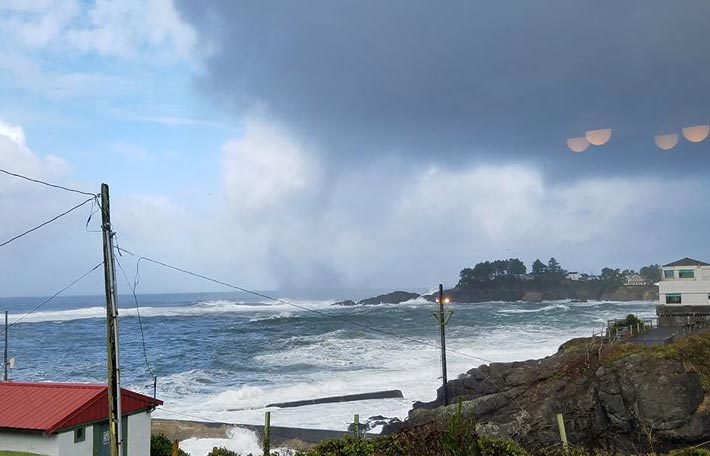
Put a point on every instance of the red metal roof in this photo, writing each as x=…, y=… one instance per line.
x=50, y=407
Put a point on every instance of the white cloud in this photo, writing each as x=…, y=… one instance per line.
x=20, y=72
x=131, y=28
x=282, y=223
x=265, y=168
x=47, y=259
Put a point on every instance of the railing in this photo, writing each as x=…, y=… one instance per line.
x=615, y=333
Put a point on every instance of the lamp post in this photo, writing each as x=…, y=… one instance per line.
x=443, y=318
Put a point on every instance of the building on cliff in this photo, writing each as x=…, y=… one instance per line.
x=684, y=293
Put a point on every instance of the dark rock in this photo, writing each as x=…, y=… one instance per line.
x=634, y=402
x=390, y=298
x=347, y=302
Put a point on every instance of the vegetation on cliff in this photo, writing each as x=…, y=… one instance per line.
x=509, y=280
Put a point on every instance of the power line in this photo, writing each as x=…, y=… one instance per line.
x=47, y=222
x=46, y=301
x=283, y=301
x=138, y=312
x=37, y=181
x=323, y=314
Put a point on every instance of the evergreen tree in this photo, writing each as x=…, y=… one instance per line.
x=539, y=268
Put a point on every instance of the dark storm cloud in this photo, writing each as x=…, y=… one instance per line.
x=468, y=79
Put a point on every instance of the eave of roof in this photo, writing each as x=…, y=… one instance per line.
x=686, y=262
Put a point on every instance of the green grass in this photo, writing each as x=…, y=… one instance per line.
x=17, y=453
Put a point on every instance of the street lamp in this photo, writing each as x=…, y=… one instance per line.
x=443, y=318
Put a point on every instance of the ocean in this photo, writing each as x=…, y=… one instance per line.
x=223, y=357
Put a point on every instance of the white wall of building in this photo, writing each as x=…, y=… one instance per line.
x=139, y=434
x=30, y=443
x=62, y=444
x=694, y=292
x=67, y=447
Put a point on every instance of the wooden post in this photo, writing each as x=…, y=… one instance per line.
x=357, y=426
x=114, y=372
x=267, y=433
x=563, y=432
x=176, y=448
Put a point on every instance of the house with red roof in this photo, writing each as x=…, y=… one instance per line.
x=70, y=419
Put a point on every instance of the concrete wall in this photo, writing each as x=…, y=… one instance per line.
x=139, y=434
x=67, y=447
x=31, y=443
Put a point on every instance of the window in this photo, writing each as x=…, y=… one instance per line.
x=686, y=274
x=79, y=435
x=668, y=274
x=673, y=299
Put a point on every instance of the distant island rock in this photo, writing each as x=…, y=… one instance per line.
x=395, y=297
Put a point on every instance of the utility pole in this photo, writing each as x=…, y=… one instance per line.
x=114, y=372
x=5, y=352
x=443, y=318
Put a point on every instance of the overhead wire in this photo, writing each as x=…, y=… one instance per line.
x=56, y=217
x=138, y=313
x=289, y=303
x=51, y=298
x=320, y=313
x=48, y=184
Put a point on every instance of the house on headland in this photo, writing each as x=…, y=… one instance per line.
x=574, y=275
x=70, y=419
x=635, y=280
x=684, y=293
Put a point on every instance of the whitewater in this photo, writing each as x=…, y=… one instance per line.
x=224, y=357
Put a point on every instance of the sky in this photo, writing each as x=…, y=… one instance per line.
x=339, y=145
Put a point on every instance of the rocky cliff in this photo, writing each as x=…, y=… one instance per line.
x=534, y=290
x=619, y=397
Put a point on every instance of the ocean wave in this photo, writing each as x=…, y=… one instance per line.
x=547, y=308
x=281, y=309
x=240, y=440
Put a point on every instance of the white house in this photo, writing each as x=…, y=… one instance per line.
x=70, y=419
x=574, y=275
x=684, y=292
x=635, y=280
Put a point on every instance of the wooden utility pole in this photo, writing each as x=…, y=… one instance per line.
x=443, y=318
x=114, y=372
x=267, y=434
x=5, y=350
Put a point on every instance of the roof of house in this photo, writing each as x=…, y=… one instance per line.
x=51, y=407
x=686, y=262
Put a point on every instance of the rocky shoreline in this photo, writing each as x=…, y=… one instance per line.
x=521, y=290
x=617, y=397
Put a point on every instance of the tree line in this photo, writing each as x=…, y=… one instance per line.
x=514, y=268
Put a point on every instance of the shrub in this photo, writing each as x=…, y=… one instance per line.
x=222, y=452
x=160, y=445
x=486, y=446
x=690, y=452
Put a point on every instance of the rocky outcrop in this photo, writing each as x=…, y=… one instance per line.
x=390, y=298
x=347, y=302
x=512, y=289
x=621, y=397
